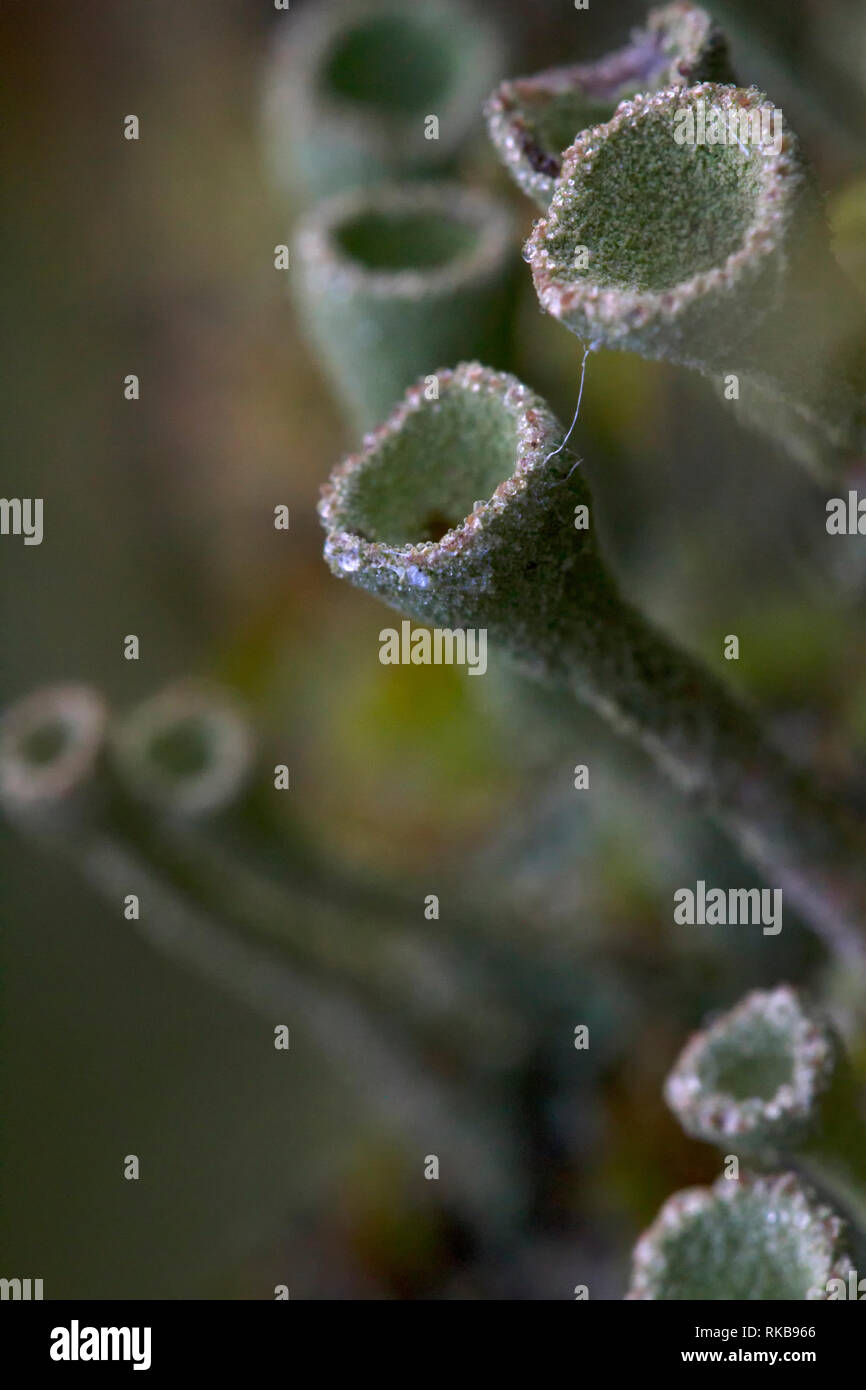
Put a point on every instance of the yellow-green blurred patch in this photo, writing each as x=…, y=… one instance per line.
x=390, y=764
x=847, y=212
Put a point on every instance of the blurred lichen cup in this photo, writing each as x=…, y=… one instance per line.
x=533, y=120
x=51, y=745
x=755, y=1076
x=689, y=228
x=392, y=281
x=184, y=753
x=756, y=1238
x=359, y=92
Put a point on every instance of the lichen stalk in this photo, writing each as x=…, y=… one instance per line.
x=515, y=565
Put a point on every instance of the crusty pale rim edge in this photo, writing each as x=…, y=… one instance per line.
x=620, y=307
x=324, y=260
x=538, y=432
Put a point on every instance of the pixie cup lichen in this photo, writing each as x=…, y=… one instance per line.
x=687, y=242
x=352, y=84
x=51, y=744
x=392, y=281
x=533, y=120
x=756, y=1238
x=185, y=752
x=465, y=510
x=755, y=1076
x=769, y=1080
x=449, y=512
x=712, y=253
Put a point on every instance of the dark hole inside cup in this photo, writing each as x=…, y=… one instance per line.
x=755, y=1063
x=183, y=750
x=397, y=64
x=425, y=480
x=47, y=743
x=394, y=241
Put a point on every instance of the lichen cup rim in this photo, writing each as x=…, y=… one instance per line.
x=618, y=309
x=719, y=1116
x=323, y=258
x=677, y=35
x=314, y=33
x=510, y=132
x=198, y=793
x=83, y=712
x=809, y=1212
x=689, y=31
x=537, y=434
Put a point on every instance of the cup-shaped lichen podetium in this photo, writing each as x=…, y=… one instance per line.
x=532, y=120
x=755, y=1076
x=393, y=281
x=186, y=752
x=459, y=512
x=464, y=510
x=753, y=1239
x=713, y=255
x=352, y=88
x=51, y=743
x=686, y=243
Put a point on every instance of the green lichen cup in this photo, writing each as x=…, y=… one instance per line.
x=392, y=281
x=449, y=513
x=185, y=753
x=533, y=120
x=752, y=1239
x=711, y=255
x=51, y=752
x=351, y=86
x=753, y=1079
x=466, y=509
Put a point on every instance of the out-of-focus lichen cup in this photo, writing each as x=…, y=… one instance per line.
x=393, y=281
x=353, y=90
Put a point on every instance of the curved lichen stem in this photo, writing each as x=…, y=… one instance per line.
x=833, y=1157
x=187, y=779
x=712, y=748
x=391, y=963
x=383, y=1061
x=841, y=1181
x=515, y=565
x=184, y=790
x=380, y=1000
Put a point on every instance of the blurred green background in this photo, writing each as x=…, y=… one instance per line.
x=156, y=257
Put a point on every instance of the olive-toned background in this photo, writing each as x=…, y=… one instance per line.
x=156, y=257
